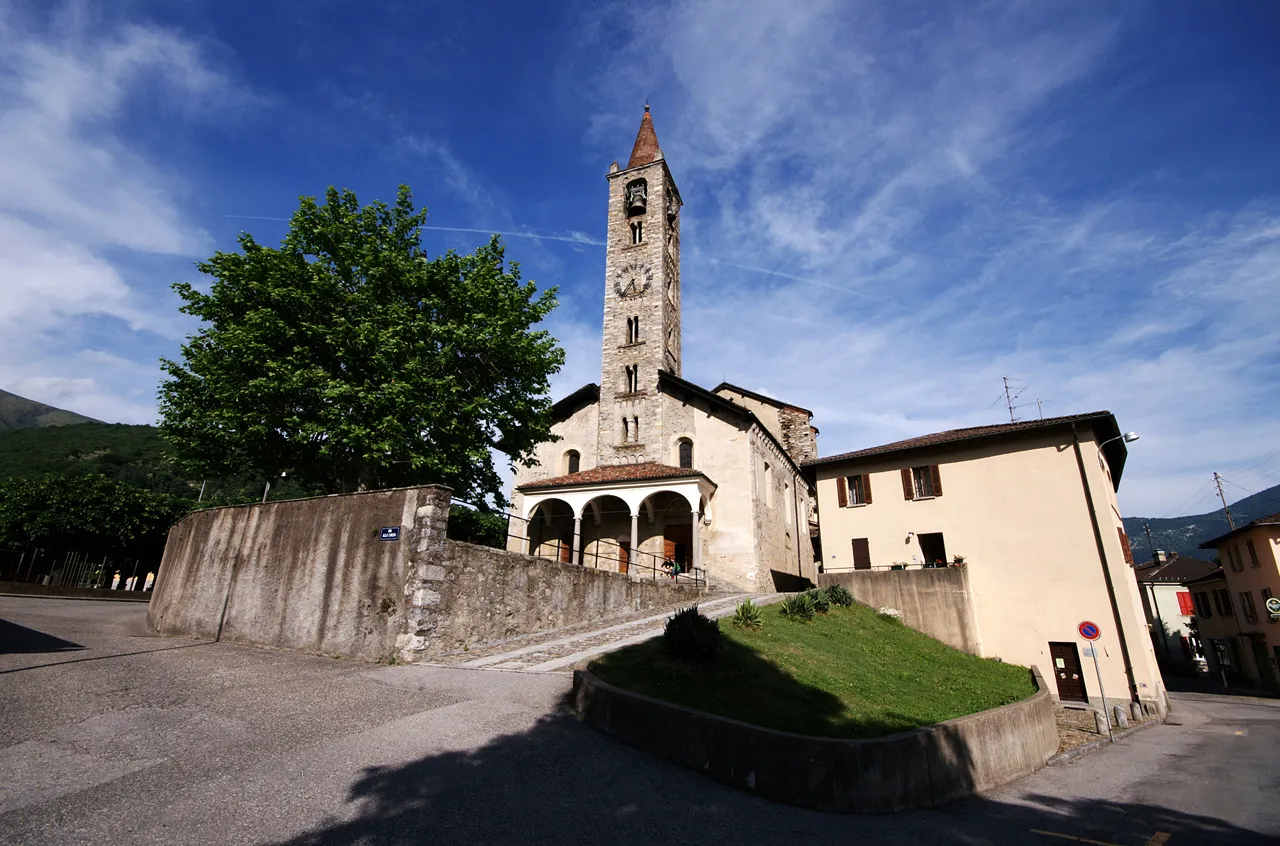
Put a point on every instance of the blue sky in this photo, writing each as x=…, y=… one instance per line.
x=888, y=206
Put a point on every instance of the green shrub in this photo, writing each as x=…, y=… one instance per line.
x=839, y=595
x=798, y=607
x=747, y=616
x=691, y=636
x=818, y=598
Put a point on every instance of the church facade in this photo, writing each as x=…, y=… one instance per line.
x=651, y=467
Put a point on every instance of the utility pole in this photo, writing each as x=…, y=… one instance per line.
x=1151, y=550
x=1217, y=480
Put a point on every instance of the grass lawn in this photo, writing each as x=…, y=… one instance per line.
x=849, y=673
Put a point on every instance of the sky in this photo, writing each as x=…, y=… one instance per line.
x=889, y=207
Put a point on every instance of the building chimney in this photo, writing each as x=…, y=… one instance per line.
x=1160, y=556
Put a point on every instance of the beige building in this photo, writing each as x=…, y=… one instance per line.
x=1029, y=510
x=650, y=469
x=1239, y=634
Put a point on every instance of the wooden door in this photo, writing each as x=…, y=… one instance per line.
x=861, y=554
x=676, y=542
x=1066, y=668
x=566, y=550
x=624, y=555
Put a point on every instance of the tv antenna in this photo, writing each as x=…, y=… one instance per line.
x=1013, y=389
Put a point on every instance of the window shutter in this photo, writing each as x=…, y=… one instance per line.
x=866, y=488
x=937, y=480
x=1124, y=544
x=908, y=489
x=1184, y=603
x=842, y=492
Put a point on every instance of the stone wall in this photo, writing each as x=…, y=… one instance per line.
x=936, y=602
x=912, y=769
x=314, y=575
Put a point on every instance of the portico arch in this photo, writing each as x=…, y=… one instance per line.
x=550, y=529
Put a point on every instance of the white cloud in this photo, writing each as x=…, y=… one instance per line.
x=867, y=189
x=77, y=198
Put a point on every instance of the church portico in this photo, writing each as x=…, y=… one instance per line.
x=620, y=514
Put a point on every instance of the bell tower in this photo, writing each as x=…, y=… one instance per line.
x=641, y=302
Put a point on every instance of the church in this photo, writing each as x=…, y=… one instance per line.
x=650, y=470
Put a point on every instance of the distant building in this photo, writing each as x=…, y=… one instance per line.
x=1242, y=638
x=1170, y=608
x=1031, y=510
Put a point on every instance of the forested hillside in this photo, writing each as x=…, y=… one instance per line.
x=20, y=413
x=1184, y=535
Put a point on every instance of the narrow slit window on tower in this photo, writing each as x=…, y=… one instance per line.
x=626, y=430
x=635, y=429
x=573, y=461
x=635, y=329
x=631, y=331
x=637, y=232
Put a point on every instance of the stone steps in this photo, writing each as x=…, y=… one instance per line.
x=559, y=650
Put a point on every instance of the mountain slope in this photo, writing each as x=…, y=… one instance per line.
x=21, y=413
x=1184, y=535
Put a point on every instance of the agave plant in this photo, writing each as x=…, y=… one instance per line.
x=818, y=598
x=747, y=616
x=798, y=607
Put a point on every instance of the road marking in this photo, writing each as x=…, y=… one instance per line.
x=1239, y=734
x=1073, y=837
x=1158, y=838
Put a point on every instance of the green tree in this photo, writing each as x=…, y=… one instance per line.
x=352, y=360
x=87, y=513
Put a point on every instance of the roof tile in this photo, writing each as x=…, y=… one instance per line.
x=613, y=473
x=646, y=146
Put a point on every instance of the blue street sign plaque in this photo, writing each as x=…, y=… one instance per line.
x=390, y=533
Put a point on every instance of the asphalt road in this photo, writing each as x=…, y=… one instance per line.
x=111, y=735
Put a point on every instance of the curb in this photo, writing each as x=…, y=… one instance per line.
x=1081, y=751
x=144, y=599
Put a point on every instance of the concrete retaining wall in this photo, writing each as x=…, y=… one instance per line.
x=315, y=575
x=935, y=601
x=914, y=769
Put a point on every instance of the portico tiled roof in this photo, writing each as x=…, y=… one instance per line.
x=614, y=473
x=1269, y=520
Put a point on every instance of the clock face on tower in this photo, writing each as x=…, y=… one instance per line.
x=632, y=280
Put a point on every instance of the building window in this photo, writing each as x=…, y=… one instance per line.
x=1202, y=605
x=1185, y=606
x=572, y=461
x=853, y=490
x=768, y=485
x=1222, y=602
x=686, y=453
x=632, y=373
x=635, y=429
x=637, y=195
x=637, y=232
x=1247, y=607
x=626, y=430
x=921, y=482
x=1253, y=554
x=1233, y=553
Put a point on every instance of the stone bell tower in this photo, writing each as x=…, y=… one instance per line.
x=641, y=302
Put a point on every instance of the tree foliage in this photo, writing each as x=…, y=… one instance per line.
x=352, y=360
x=89, y=512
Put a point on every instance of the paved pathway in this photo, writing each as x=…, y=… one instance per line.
x=111, y=735
x=559, y=650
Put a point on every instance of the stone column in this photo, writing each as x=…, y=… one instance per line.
x=576, y=555
x=633, y=568
x=696, y=552
x=424, y=570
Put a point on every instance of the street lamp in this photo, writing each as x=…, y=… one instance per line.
x=268, y=487
x=1129, y=437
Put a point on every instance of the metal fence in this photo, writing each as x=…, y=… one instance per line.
x=62, y=568
x=605, y=554
x=916, y=565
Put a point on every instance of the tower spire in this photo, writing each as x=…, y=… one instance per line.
x=646, y=147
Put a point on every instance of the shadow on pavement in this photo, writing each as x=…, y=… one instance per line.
x=16, y=639
x=1212, y=686
x=561, y=782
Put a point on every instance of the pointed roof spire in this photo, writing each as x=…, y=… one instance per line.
x=646, y=148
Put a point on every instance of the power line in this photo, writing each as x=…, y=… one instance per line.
x=1241, y=487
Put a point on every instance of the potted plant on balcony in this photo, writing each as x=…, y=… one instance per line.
x=958, y=561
